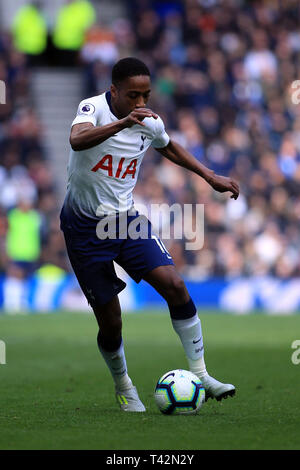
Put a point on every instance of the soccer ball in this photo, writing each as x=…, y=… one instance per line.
x=179, y=392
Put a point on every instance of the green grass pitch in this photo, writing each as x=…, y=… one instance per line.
x=56, y=392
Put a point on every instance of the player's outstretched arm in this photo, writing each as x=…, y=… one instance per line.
x=177, y=154
x=85, y=135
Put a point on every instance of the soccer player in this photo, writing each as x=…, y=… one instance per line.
x=109, y=138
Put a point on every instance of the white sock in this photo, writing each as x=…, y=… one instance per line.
x=190, y=334
x=116, y=363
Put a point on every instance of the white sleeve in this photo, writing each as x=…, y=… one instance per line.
x=86, y=112
x=161, y=138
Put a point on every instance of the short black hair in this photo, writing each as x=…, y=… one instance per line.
x=128, y=67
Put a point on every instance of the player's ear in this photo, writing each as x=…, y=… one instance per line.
x=113, y=90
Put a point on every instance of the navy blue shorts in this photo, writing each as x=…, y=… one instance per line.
x=92, y=257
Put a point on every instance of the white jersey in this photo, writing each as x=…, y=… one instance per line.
x=101, y=179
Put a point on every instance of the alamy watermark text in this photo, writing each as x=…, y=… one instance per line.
x=171, y=222
x=295, y=358
x=2, y=352
x=2, y=92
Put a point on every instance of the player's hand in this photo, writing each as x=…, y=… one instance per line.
x=223, y=184
x=137, y=115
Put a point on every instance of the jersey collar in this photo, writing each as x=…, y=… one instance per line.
x=108, y=100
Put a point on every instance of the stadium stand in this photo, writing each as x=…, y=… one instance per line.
x=222, y=74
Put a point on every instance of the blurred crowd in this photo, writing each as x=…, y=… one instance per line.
x=29, y=230
x=222, y=74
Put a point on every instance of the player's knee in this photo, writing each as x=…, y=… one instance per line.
x=175, y=291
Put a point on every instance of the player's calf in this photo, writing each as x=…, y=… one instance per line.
x=167, y=282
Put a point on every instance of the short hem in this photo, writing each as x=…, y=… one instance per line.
x=139, y=278
x=109, y=298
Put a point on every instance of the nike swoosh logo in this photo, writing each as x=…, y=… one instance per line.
x=195, y=342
